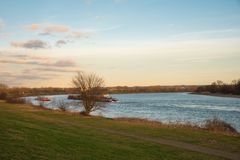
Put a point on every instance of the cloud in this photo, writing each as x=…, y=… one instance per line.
x=64, y=63
x=59, y=43
x=22, y=56
x=62, y=70
x=31, y=44
x=31, y=69
x=68, y=34
x=56, y=29
x=59, y=63
x=10, y=61
x=48, y=29
x=33, y=26
x=16, y=79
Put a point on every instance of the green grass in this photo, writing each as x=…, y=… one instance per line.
x=32, y=133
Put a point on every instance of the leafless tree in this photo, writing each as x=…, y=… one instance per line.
x=90, y=86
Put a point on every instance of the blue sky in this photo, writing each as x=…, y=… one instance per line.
x=128, y=42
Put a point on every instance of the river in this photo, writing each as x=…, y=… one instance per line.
x=164, y=107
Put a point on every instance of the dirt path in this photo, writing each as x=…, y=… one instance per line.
x=178, y=144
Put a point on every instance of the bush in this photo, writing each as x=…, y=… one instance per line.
x=3, y=95
x=15, y=100
x=218, y=125
x=61, y=104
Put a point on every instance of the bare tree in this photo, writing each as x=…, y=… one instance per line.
x=90, y=87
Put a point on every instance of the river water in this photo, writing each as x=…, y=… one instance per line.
x=164, y=107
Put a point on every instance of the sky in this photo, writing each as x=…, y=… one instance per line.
x=127, y=42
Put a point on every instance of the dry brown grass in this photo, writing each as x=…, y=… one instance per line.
x=157, y=123
x=218, y=125
x=213, y=125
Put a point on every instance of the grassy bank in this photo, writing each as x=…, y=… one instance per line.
x=34, y=133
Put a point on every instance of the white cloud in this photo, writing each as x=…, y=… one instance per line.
x=47, y=29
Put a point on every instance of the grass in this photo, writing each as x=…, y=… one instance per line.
x=33, y=133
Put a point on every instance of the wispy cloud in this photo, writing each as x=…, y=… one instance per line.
x=31, y=68
x=60, y=42
x=22, y=56
x=23, y=77
x=66, y=33
x=31, y=44
x=25, y=59
x=47, y=29
x=59, y=63
x=62, y=70
x=64, y=63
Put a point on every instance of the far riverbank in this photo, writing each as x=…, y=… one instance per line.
x=216, y=94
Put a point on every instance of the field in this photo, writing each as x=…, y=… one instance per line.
x=28, y=132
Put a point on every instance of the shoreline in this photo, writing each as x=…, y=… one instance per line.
x=216, y=94
x=144, y=121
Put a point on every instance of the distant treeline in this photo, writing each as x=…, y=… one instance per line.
x=221, y=87
x=152, y=89
x=215, y=87
x=6, y=91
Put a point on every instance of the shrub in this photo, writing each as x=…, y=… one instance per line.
x=3, y=95
x=41, y=104
x=15, y=100
x=218, y=125
x=61, y=104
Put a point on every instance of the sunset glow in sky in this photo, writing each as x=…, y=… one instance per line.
x=128, y=42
